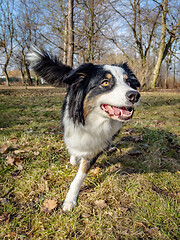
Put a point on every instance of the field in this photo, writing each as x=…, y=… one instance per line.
x=133, y=191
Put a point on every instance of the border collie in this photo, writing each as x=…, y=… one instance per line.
x=99, y=99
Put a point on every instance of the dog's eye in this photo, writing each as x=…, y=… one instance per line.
x=105, y=83
x=128, y=83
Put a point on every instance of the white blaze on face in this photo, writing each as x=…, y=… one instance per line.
x=117, y=96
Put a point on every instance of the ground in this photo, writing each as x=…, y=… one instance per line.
x=133, y=191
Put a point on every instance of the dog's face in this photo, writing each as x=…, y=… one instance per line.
x=111, y=90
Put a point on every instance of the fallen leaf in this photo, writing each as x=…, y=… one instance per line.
x=153, y=233
x=85, y=215
x=112, y=150
x=20, y=167
x=36, y=153
x=10, y=160
x=3, y=201
x=18, y=151
x=124, y=209
x=14, y=161
x=4, y=148
x=49, y=205
x=140, y=224
x=14, y=139
x=100, y=204
x=12, y=234
x=4, y=217
x=96, y=171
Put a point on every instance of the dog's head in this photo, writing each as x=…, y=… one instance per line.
x=110, y=89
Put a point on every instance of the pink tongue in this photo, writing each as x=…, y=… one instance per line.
x=117, y=111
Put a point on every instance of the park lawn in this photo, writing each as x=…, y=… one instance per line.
x=132, y=192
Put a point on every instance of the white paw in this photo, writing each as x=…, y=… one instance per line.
x=68, y=206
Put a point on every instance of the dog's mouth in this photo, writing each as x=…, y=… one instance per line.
x=118, y=113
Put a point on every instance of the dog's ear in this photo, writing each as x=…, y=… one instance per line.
x=80, y=74
x=47, y=66
x=131, y=78
x=78, y=81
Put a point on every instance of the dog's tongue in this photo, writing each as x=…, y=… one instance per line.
x=116, y=111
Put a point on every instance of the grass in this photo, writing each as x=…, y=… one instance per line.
x=139, y=184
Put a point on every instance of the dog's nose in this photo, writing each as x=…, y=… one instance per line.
x=133, y=96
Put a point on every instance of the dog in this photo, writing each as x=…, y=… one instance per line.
x=99, y=100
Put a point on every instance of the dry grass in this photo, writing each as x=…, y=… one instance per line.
x=138, y=185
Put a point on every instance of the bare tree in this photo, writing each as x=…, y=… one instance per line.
x=91, y=20
x=7, y=33
x=27, y=22
x=134, y=36
x=70, y=33
x=165, y=42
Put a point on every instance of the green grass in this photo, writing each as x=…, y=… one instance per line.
x=140, y=183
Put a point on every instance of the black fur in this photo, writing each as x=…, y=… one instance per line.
x=50, y=68
x=87, y=78
x=132, y=80
x=78, y=81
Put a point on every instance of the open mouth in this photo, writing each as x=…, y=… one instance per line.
x=118, y=113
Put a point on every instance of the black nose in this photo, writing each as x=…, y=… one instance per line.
x=133, y=96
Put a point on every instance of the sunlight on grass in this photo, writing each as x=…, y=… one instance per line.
x=138, y=184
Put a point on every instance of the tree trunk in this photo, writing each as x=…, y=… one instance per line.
x=162, y=44
x=65, y=41
x=90, y=50
x=6, y=75
x=29, y=79
x=22, y=74
x=167, y=73
x=70, y=47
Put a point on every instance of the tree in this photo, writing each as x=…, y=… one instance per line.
x=134, y=36
x=70, y=33
x=7, y=27
x=91, y=19
x=27, y=24
x=165, y=43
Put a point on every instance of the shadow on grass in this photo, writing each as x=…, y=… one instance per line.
x=144, y=151
x=22, y=107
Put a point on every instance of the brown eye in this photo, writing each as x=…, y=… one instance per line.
x=128, y=83
x=105, y=83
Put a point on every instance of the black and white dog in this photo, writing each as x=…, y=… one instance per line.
x=100, y=98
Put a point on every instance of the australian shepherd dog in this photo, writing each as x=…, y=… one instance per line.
x=99, y=100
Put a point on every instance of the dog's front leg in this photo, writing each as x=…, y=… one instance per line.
x=71, y=197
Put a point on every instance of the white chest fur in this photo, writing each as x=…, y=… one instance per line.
x=89, y=140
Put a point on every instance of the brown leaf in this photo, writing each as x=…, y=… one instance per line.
x=4, y=148
x=96, y=171
x=18, y=152
x=12, y=234
x=49, y=205
x=10, y=160
x=14, y=139
x=3, y=201
x=20, y=167
x=85, y=215
x=112, y=150
x=36, y=153
x=124, y=209
x=14, y=161
x=100, y=203
x=4, y=217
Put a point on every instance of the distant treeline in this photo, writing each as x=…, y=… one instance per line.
x=145, y=34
